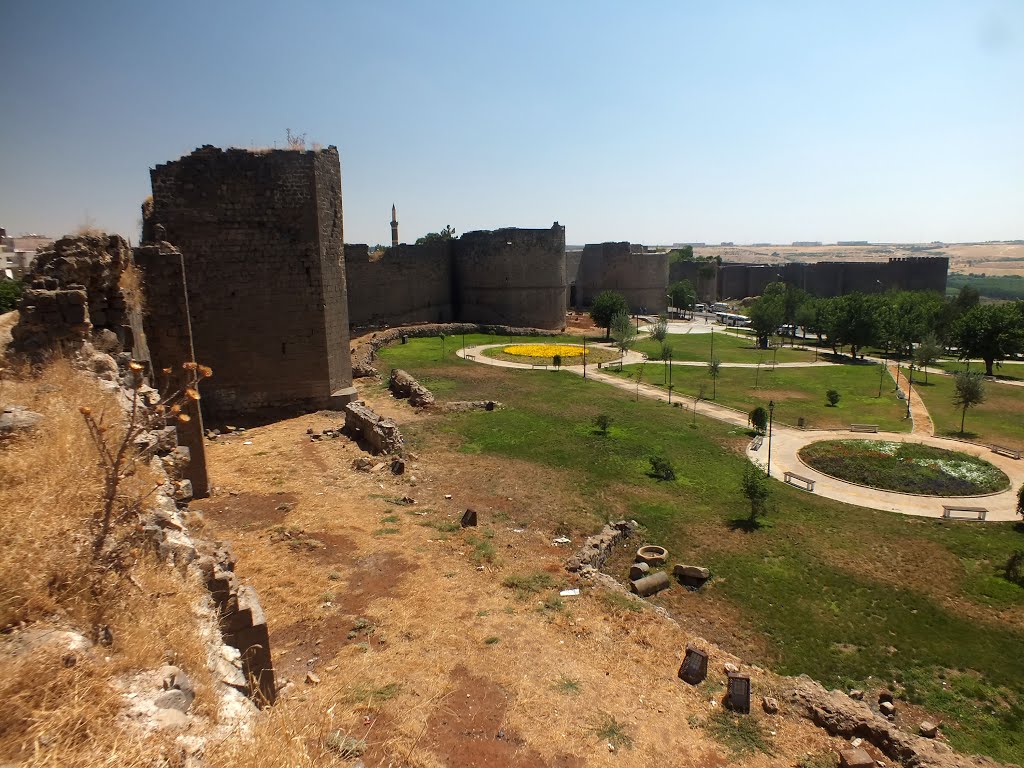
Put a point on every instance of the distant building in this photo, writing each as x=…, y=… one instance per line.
x=852, y=242
x=811, y=243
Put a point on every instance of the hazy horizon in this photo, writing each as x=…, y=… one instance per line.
x=654, y=123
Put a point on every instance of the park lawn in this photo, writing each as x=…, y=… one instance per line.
x=850, y=596
x=797, y=392
x=1011, y=371
x=999, y=420
x=728, y=349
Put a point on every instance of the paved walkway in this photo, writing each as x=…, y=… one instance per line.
x=787, y=442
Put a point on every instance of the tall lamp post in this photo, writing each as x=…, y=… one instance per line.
x=881, y=374
x=670, y=378
x=771, y=418
x=910, y=386
x=584, y=355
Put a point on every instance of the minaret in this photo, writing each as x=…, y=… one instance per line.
x=394, y=226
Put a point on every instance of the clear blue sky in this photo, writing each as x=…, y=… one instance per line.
x=645, y=121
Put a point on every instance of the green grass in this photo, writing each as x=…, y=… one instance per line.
x=905, y=467
x=811, y=584
x=1011, y=371
x=740, y=734
x=797, y=392
x=728, y=349
x=999, y=420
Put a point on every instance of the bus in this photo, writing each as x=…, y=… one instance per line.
x=733, y=321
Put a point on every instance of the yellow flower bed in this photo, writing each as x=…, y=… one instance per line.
x=543, y=350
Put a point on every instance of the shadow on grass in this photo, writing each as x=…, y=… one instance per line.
x=961, y=435
x=745, y=524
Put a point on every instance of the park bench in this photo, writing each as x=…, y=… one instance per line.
x=792, y=477
x=863, y=427
x=755, y=444
x=975, y=513
x=1013, y=453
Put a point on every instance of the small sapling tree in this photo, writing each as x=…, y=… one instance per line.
x=660, y=328
x=832, y=397
x=601, y=423
x=756, y=488
x=714, y=368
x=557, y=361
x=759, y=418
x=968, y=391
x=624, y=333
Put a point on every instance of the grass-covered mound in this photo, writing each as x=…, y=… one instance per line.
x=905, y=467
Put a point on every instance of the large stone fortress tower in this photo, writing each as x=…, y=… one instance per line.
x=262, y=240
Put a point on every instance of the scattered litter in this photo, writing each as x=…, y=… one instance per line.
x=518, y=530
x=569, y=592
x=247, y=442
x=856, y=742
x=447, y=495
x=562, y=540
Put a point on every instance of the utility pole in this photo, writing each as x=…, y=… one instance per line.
x=771, y=418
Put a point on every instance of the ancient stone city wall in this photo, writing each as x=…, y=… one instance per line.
x=407, y=284
x=641, y=277
x=507, y=276
x=823, y=278
x=261, y=236
x=511, y=277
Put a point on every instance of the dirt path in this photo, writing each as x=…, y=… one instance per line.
x=923, y=424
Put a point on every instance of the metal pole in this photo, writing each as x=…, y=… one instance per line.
x=881, y=375
x=670, y=378
x=910, y=386
x=771, y=418
x=584, y=355
x=712, y=343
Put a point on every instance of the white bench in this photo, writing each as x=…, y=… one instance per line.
x=792, y=478
x=863, y=427
x=975, y=513
x=1013, y=453
x=755, y=444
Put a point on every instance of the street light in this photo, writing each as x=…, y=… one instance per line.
x=910, y=386
x=584, y=354
x=670, y=377
x=771, y=418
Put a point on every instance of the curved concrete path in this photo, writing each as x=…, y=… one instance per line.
x=787, y=441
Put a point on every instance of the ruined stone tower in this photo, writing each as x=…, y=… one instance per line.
x=394, y=226
x=261, y=237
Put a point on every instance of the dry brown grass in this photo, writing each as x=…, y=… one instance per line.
x=50, y=489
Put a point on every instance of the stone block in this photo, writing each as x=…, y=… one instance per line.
x=855, y=758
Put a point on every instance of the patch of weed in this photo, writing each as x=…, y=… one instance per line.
x=615, y=733
x=741, y=735
x=525, y=584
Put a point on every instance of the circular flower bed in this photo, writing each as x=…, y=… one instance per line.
x=547, y=351
x=905, y=467
x=544, y=354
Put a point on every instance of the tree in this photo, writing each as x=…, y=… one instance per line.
x=607, y=305
x=992, y=332
x=714, y=368
x=683, y=295
x=854, y=322
x=601, y=422
x=10, y=292
x=808, y=317
x=832, y=396
x=682, y=253
x=662, y=468
x=768, y=312
x=759, y=418
x=624, y=333
x=1020, y=501
x=755, y=487
x=927, y=352
x=660, y=328
x=666, y=350
x=967, y=299
x=557, y=361
x=448, y=233
x=968, y=391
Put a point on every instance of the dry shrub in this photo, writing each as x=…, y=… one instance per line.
x=131, y=286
